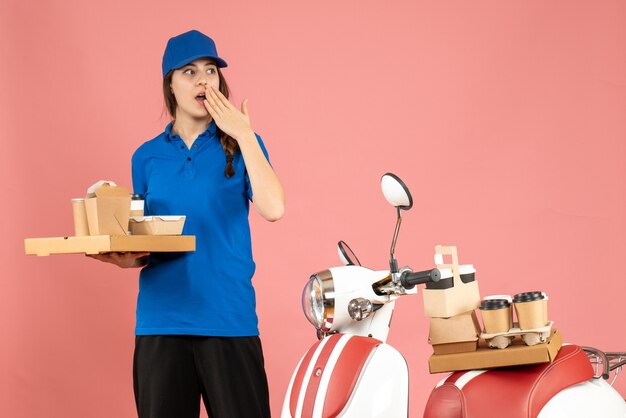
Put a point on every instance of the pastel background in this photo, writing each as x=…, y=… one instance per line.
x=505, y=118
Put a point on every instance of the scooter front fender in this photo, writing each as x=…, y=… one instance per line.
x=348, y=376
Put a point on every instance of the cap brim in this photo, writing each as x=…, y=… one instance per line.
x=218, y=61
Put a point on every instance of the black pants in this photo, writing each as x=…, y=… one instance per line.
x=171, y=372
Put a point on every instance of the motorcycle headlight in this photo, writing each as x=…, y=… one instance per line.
x=318, y=300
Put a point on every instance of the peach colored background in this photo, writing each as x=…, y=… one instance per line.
x=505, y=118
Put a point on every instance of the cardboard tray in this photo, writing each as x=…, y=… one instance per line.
x=96, y=244
x=544, y=332
x=486, y=358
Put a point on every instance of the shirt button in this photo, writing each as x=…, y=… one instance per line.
x=195, y=145
x=188, y=158
x=182, y=147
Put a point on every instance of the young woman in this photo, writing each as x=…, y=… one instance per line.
x=196, y=331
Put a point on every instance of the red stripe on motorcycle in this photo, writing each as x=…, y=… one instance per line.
x=316, y=375
x=297, y=382
x=346, y=373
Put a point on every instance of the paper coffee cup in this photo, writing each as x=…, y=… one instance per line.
x=81, y=226
x=531, y=309
x=136, y=205
x=496, y=314
x=467, y=272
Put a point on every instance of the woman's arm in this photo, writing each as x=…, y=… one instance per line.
x=268, y=193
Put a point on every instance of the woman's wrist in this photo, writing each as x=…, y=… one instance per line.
x=140, y=262
x=245, y=138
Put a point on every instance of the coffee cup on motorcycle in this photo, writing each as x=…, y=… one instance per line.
x=467, y=273
x=531, y=309
x=496, y=314
x=507, y=297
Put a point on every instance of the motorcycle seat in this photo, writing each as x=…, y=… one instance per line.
x=514, y=392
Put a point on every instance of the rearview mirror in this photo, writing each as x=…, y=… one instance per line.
x=396, y=192
x=346, y=255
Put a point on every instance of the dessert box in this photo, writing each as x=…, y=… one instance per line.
x=156, y=225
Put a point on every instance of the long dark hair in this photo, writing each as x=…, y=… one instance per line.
x=229, y=144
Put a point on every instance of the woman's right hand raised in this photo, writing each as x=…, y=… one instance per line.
x=123, y=260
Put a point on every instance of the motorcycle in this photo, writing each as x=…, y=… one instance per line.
x=352, y=372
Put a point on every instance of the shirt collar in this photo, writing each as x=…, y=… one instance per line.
x=209, y=132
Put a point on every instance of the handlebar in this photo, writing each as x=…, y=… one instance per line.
x=408, y=279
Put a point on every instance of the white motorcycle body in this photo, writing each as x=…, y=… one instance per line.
x=353, y=373
x=593, y=398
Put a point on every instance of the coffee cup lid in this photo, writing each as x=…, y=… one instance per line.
x=507, y=297
x=528, y=296
x=466, y=269
x=490, y=304
x=445, y=273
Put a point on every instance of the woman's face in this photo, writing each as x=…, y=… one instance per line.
x=189, y=84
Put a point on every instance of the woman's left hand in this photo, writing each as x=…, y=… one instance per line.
x=228, y=118
x=269, y=197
